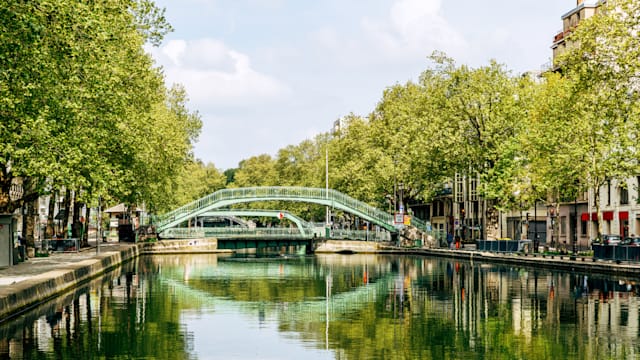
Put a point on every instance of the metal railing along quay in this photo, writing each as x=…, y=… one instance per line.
x=503, y=245
x=61, y=245
x=616, y=252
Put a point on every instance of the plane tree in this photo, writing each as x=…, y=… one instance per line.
x=82, y=106
x=592, y=126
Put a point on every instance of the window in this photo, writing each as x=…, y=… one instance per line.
x=624, y=196
x=608, y=192
x=438, y=208
x=583, y=228
x=459, y=188
x=563, y=225
x=473, y=189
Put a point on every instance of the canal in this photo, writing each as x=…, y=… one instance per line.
x=331, y=307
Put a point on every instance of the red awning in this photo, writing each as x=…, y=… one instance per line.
x=607, y=215
x=623, y=215
x=585, y=217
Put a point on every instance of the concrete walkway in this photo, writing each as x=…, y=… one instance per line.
x=55, y=261
x=36, y=280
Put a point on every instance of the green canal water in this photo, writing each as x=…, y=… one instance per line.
x=331, y=307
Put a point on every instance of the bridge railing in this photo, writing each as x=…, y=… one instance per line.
x=361, y=235
x=235, y=232
x=420, y=224
x=259, y=213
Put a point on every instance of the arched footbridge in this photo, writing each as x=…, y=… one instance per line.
x=227, y=197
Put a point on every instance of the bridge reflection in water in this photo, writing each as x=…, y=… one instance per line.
x=333, y=306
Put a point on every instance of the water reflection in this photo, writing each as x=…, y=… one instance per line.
x=332, y=306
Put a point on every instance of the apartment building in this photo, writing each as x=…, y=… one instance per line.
x=583, y=9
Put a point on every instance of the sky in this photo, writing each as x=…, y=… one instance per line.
x=265, y=74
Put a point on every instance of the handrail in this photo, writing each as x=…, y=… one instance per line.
x=229, y=196
x=269, y=233
x=256, y=212
x=226, y=233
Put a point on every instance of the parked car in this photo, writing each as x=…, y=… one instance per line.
x=631, y=241
x=611, y=239
x=607, y=239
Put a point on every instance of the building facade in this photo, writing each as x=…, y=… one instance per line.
x=583, y=10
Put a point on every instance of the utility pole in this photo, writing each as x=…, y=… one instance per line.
x=326, y=182
x=99, y=217
x=535, y=227
x=575, y=225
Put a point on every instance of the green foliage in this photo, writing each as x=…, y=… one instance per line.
x=81, y=105
x=194, y=180
x=595, y=109
x=256, y=171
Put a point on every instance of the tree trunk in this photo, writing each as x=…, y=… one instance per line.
x=598, y=212
x=85, y=237
x=52, y=208
x=75, y=226
x=30, y=231
x=65, y=219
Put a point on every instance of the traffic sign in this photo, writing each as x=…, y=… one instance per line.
x=398, y=218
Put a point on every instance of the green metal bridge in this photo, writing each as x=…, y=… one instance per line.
x=227, y=197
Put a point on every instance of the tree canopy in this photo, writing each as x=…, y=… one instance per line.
x=82, y=105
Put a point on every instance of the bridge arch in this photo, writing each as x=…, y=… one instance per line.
x=303, y=225
x=227, y=197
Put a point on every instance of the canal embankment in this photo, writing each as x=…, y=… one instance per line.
x=552, y=262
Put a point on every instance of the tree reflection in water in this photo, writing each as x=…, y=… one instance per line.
x=332, y=306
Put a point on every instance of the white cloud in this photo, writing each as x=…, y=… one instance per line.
x=414, y=28
x=410, y=31
x=215, y=75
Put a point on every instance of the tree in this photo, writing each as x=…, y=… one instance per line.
x=256, y=171
x=602, y=67
x=194, y=181
x=82, y=106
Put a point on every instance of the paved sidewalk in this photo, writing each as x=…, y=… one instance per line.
x=55, y=261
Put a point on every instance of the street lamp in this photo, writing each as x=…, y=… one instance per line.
x=536, y=242
x=99, y=229
x=575, y=225
x=401, y=189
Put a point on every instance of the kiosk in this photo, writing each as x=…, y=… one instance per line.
x=6, y=241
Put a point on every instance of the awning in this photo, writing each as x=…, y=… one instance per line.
x=607, y=215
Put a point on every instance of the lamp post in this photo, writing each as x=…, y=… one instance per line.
x=326, y=181
x=575, y=225
x=535, y=227
x=99, y=218
x=401, y=202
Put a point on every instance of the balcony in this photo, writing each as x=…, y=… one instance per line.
x=559, y=36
